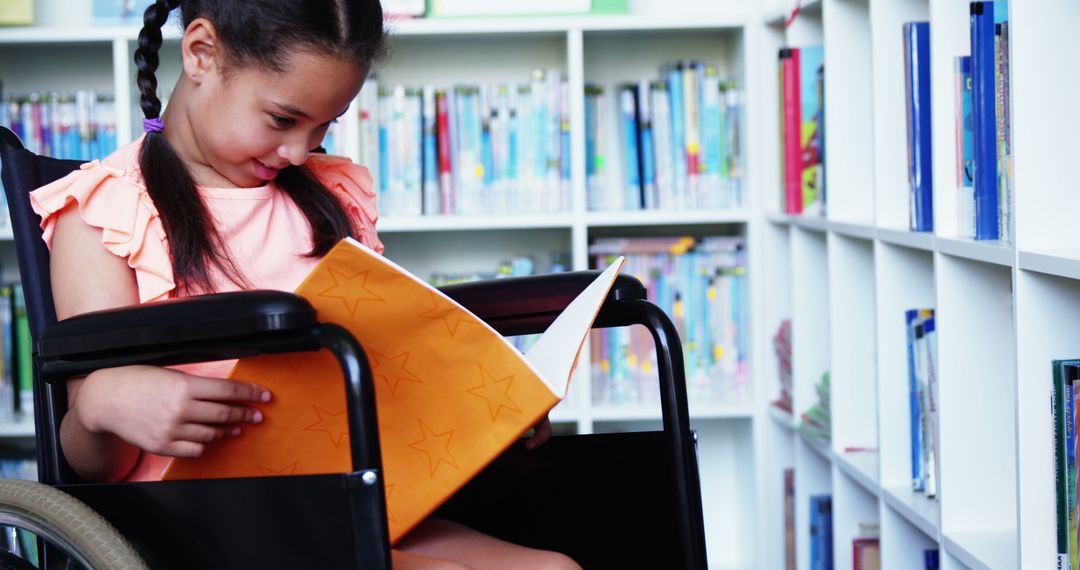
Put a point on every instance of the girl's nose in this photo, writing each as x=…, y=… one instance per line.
x=295, y=152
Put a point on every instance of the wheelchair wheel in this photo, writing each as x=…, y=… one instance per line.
x=65, y=524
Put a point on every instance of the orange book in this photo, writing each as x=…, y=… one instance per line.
x=451, y=392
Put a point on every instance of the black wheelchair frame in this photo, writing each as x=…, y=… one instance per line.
x=608, y=500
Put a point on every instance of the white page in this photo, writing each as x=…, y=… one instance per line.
x=555, y=352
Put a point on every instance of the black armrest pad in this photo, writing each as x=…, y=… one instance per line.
x=515, y=297
x=201, y=318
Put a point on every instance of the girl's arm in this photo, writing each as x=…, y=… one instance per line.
x=115, y=413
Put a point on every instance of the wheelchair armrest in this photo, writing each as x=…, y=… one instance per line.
x=523, y=305
x=201, y=328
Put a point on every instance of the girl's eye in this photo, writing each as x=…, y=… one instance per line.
x=282, y=121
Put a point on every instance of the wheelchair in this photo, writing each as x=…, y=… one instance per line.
x=626, y=500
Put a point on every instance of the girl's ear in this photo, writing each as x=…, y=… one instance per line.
x=200, y=49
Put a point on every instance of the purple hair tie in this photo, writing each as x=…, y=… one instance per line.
x=155, y=125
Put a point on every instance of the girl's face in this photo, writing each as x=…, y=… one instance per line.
x=244, y=124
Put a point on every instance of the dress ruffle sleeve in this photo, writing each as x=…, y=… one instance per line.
x=353, y=185
x=113, y=200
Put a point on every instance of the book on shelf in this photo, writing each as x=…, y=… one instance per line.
x=919, y=140
x=965, y=152
x=782, y=348
x=678, y=141
x=1063, y=398
x=468, y=149
x=79, y=125
x=922, y=388
x=802, y=87
x=821, y=532
x=16, y=13
x=451, y=393
x=700, y=283
x=816, y=422
x=931, y=559
x=866, y=553
x=114, y=12
x=789, y=519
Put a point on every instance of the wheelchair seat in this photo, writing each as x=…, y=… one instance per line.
x=606, y=500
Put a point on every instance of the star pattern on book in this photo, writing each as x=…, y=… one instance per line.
x=297, y=362
x=496, y=392
x=436, y=446
x=269, y=471
x=351, y=289
x=389, y=511
x=450, y=315
x=393, y=370
x=335, y=424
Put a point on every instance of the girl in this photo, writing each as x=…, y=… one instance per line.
x=221, y=194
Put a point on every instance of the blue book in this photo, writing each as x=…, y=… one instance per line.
x=650, y=200
x=917, y=88
x=913, y=318
x=821, y=555
x=678, y=133
x=632, y=167
x=984, y=112
x=931, y=560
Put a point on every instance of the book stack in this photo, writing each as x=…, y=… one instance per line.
x=701, y=285
x=984, y=127
x=802, y=130
x=468, y=149
x=923, y=389
x=79, y=125
x=678, y=137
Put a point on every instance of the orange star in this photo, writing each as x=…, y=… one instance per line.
x=495, y=392
x=436, y=446
x=336, y=425
x=295, y=363
x=287, y=470
x=441, y=309
x=351, y=289
x=392, y=369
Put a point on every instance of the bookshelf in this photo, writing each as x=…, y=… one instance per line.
x=1003, y=310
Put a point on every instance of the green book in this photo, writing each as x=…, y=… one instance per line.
x=1064, y=432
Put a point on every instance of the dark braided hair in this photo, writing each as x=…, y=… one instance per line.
x=258, y=33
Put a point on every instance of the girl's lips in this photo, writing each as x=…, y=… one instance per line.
x=263, y=171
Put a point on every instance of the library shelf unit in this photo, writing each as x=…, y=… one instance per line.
x=1004, y=310
x=62, y=51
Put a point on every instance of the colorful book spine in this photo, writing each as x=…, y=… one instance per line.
x=430, y=173
x=442, y=127
x=631, y=141
x=987, y=203
x=662, y=151
x=809, y=105
x=917, y=87
x=914, y=318
x=649, y=196
x=678, y=129
x=821, y=554
x=790, y=105
x=1004, y=131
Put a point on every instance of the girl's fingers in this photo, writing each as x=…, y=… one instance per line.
x=198, y=433
x=185, y=449
x=223, y=390
x=217, y=413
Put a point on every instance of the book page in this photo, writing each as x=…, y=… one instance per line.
x=555, y=353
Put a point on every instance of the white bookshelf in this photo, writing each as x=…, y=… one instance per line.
x=1003, y=310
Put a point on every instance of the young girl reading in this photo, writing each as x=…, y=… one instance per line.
x=222, y=194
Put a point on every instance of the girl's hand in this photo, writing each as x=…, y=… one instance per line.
x=541, y=433
x=165, y=411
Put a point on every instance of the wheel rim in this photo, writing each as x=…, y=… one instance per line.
x=28, y=521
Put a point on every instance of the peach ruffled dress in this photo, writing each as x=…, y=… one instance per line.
x=266, y=233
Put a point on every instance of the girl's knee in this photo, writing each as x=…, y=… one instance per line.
x=555, y=561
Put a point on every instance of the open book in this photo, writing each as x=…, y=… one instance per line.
x=451, y=393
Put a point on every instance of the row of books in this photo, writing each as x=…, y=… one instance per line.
x=468, y=149
x=802, y=130
x=678, y=137
x=701, y=285
x=16, y=368
x=80, y=125
x=922, y=356
x=1064, y=399
x=984, y=127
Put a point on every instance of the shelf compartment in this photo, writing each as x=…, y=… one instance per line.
x=919, y=510
x=977, y=395
x=852, y=506
x=1048, y=327
x=983, y=549
x=903, y=543
x=666, y=218
x=907, y=238
x=861, y=467
x=810, y=316
x=996, y=252
x=22, y=428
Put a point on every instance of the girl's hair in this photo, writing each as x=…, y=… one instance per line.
x=260, y=33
